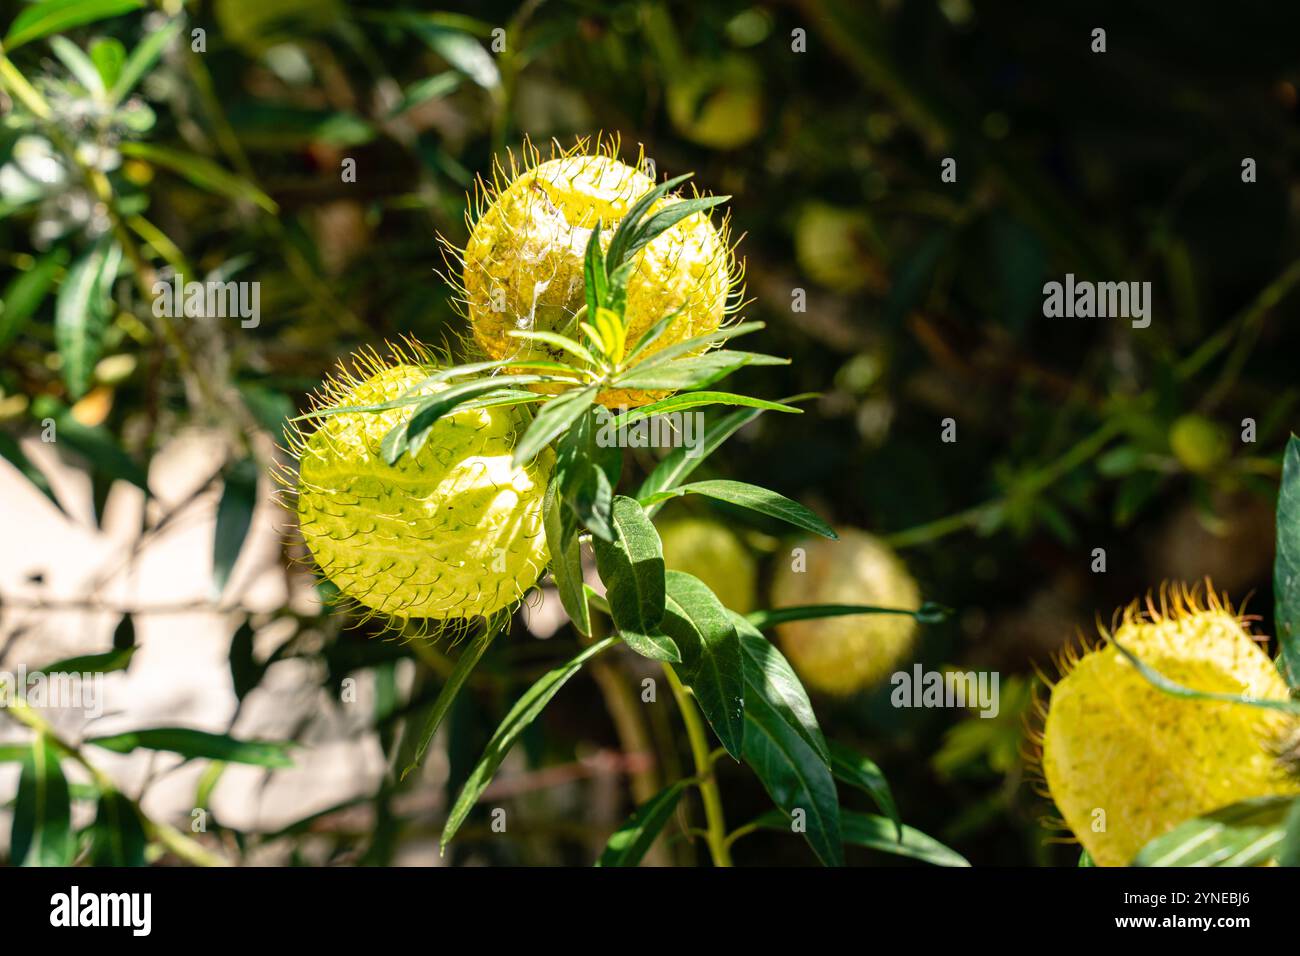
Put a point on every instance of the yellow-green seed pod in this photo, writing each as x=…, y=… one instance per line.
x=1199, y=443
x=1126, y=762
x=718, y=103
x=834, y=247
x=841, y=655
x=711, y=551
x=523, y=264
x=451, y=532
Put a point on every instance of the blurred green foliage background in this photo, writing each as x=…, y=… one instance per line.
x=827, y=122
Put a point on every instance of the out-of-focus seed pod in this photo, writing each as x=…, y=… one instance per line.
x=1126, y=762
x=841, y=655
x=711, y=551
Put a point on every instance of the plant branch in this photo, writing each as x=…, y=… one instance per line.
x=716, y=832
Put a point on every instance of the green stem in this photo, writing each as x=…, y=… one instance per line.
x=716, y=825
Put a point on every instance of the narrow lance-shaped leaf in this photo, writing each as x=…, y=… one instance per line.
x=552, y=421
x=42, y=831
x=13, y=453
x=769, y=674
x=566, y=562
x=1286, y=567
x=465, y=664
x=630, y=842
x=523, y=713
x=617, y=254
x=927, y=613
x=632, y=567
x=712, y=665
x=1244, y=834
x=96, y=443
x=1174, y=689
x=198, y=743
x=117, y=659
x=851, y=767
x=202, y=172
x=234, y=517
x=586, y=469
x=877, y=833
x=82, y=311
x=680, y=462
x=666, y=218
x=117, y=837
x=57, y=16
x=795, y=776
x=593, y=268
x=754, y=498
x=142, y=60
x=24, y=293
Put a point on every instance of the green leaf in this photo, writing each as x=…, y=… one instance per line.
x=202, y=172
x=878, y=833
x=558, y=341
x=42, y=829
x=693, y=372
x=117, y=659
x=78, y=64
x=109, y=56
x=630, y=842
x=587, y=470
x=1174, y=689
x=234, y=517
x=929, y=613
x=697, y=344
x=668, y=217
x=198, y=743
x=554, y=418
x=677, y=403
x=422, y=91
x=851, y=767
x=465, y=664
x=794, y=775
x=245, y=672
x=463, y=52
x=649, y=336
x=617, y=254
x=117, y=837
x=566, y=562
x=25, y=292
x=1085, y=859
x=712, y=665
x=753, y=498
x=523, y=713
x=769, y=675
x=277, y=126
x=13, y=453
x=680, y=462
x=56, y=16
x=632, y=567
x=142, y=60
x=82, y=312
x=1286, y=568
x=1242, y=834
x=593, y=269
x=96, y=443
x=420, y=425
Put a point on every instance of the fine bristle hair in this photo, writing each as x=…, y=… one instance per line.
x=1171, y=601
x=349, y=372
x=504, y=172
